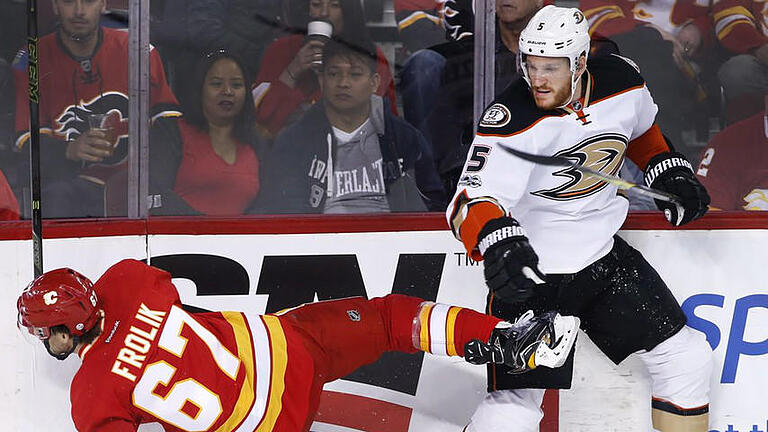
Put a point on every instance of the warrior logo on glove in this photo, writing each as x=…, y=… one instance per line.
x=511, y=265
x=671, y=172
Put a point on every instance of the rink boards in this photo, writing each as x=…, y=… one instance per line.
x=719, y=276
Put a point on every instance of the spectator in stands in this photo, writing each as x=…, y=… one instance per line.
x=288, y=82
x=83, y=71
x=206, y=162
x=189, y=29
x=13, y=30
x=9, y=207
x=663, y=38
x=734, y=166
x=741, y=28
x=438, y=84
x=348, y=153
x=13, y=33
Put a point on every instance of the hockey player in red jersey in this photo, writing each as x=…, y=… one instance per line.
x=733, y=165
x=84, y=70
x=547, y=235
x=145, y=359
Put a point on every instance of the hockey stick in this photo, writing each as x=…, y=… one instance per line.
x=616, y=181
x=34, y=137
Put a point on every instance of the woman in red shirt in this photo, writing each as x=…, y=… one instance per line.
x=287, y=79
x=206, y=162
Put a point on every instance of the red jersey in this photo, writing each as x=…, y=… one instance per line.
x=234, y=371
x=734, y=166
x=154, y=362
x=71, y=88
x=607, y=18
x=9, y=207
x=741, y=25
x=277, y=105
x=208, y=183
x=410, y=12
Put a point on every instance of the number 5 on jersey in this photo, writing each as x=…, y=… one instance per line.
x=479, y=156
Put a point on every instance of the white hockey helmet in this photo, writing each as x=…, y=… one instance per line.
x=555, y=32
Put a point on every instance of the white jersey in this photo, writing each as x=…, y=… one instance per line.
x=569, y=218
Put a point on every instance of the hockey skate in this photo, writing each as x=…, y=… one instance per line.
x=530, y=342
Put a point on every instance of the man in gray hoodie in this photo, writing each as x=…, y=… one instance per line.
x=348, y=154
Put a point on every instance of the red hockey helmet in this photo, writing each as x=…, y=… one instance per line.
x=58, y=297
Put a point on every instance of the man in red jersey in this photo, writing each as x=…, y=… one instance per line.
x=734, y=166
x=83, y=70
x=146, y=359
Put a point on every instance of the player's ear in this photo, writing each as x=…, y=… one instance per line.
x=582, y=65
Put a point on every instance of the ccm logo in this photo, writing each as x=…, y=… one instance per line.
x=736, y=346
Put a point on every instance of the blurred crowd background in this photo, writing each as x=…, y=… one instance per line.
x=342, y=106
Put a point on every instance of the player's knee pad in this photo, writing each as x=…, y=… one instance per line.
x=681, y=369
x=505, y=410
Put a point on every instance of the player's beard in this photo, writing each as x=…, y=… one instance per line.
x=562, y=97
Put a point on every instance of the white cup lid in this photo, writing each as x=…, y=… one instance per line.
x=320, y=28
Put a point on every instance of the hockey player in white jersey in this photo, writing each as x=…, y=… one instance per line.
x=547, y=235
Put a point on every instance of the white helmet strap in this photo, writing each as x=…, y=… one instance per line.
x=574, y=80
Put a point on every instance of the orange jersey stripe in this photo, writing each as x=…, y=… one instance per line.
x=279, y=354
x=450, y=331
x=424, y=315
x=477, y=216
x=245, y=400
x=646, y=146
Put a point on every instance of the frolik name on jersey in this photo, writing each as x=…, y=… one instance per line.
x=138, y=341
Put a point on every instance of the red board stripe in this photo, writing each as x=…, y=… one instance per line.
x=362, y=413
x=551, y=407
x=309, y=224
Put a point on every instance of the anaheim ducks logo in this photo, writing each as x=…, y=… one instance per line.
x=603, y=153
x=73, y=122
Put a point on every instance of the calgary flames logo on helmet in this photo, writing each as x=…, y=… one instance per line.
x=603, y=153
x=74, y=121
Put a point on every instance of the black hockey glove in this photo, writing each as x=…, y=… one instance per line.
x=671, y=172
x=511, y=265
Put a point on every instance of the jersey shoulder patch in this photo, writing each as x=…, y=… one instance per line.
x=613, y=74
x=512, y=111
x=496, y=116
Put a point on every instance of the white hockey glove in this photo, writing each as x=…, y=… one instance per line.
x=532, y=341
